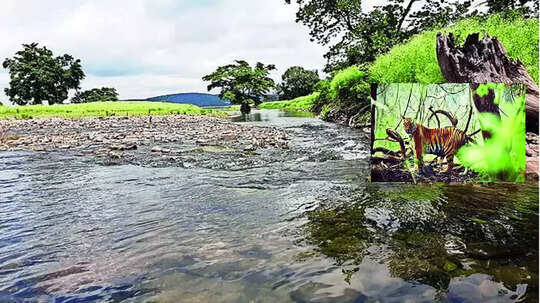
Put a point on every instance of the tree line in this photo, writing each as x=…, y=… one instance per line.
x=242, y=84
x=37, y=76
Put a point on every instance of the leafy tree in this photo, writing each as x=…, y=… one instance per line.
x=356, y=37
x=241, y=83
x=529, y=8
x=297, y=82
x=37, y=76
x=96, y=95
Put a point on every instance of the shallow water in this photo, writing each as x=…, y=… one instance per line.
x=303, y=227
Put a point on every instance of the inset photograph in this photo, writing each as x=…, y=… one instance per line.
x=452, y=132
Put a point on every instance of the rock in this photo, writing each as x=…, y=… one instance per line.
x=115, y=154
x=156, y=149
x=131, y=146
x=250, y=148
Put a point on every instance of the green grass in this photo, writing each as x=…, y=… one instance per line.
x=346, y=82
x=299, y=104
x=416, y=60
x=101, y=109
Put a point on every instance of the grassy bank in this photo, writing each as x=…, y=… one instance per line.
x=102, y=109
x=416, y=60
x=299, y=104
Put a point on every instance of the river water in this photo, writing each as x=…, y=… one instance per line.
x=304, y=227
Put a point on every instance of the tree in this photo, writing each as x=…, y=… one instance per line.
x=354, y=36
x=96, y=95
x=241, y=83
x=297, y=82
x=37, y=76
x=529, y=8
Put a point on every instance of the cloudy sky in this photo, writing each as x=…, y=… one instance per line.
x=146, y=48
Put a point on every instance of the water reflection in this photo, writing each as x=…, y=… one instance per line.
x=271, y=115
x=468, y=242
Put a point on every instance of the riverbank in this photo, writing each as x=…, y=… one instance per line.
x=151, y=140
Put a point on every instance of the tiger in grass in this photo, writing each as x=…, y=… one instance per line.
x=442, y=142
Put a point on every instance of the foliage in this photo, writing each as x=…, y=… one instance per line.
x=355, y=36
x=528, y=8
x=103, y=94
x=344, y=93
x=241, y=83
x=416, y=60
x=101, y=109
x=362, y=35
x=349, y=85
x=299, y=104
x=501, y=157
x=297, y=82
x=37, y=76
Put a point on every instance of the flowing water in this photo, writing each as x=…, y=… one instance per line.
x=305, y=226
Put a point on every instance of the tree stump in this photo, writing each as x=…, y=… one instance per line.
x=485, y=61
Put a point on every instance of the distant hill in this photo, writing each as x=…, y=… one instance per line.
x=199, y=99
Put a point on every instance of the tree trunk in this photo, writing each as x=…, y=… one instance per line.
x=245, y=108
x=485, y=61
x=374, y=97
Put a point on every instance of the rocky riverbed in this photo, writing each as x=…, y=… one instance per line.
x=153, y=141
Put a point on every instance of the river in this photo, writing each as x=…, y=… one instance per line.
x=303, y=225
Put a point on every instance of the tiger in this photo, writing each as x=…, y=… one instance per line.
x=442, y=142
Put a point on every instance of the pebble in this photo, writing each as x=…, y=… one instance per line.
x=102, y=134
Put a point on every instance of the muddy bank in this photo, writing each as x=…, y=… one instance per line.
x=152, y=141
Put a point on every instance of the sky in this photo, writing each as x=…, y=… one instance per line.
x=146, y=48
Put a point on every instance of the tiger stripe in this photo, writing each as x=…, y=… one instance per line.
x=443, y=142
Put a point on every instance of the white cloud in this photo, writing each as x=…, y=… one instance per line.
x=148, y=47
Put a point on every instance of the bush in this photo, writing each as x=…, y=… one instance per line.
x=348, y=83
x=416, y=60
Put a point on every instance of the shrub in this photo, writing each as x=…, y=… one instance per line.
x=347, y=83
